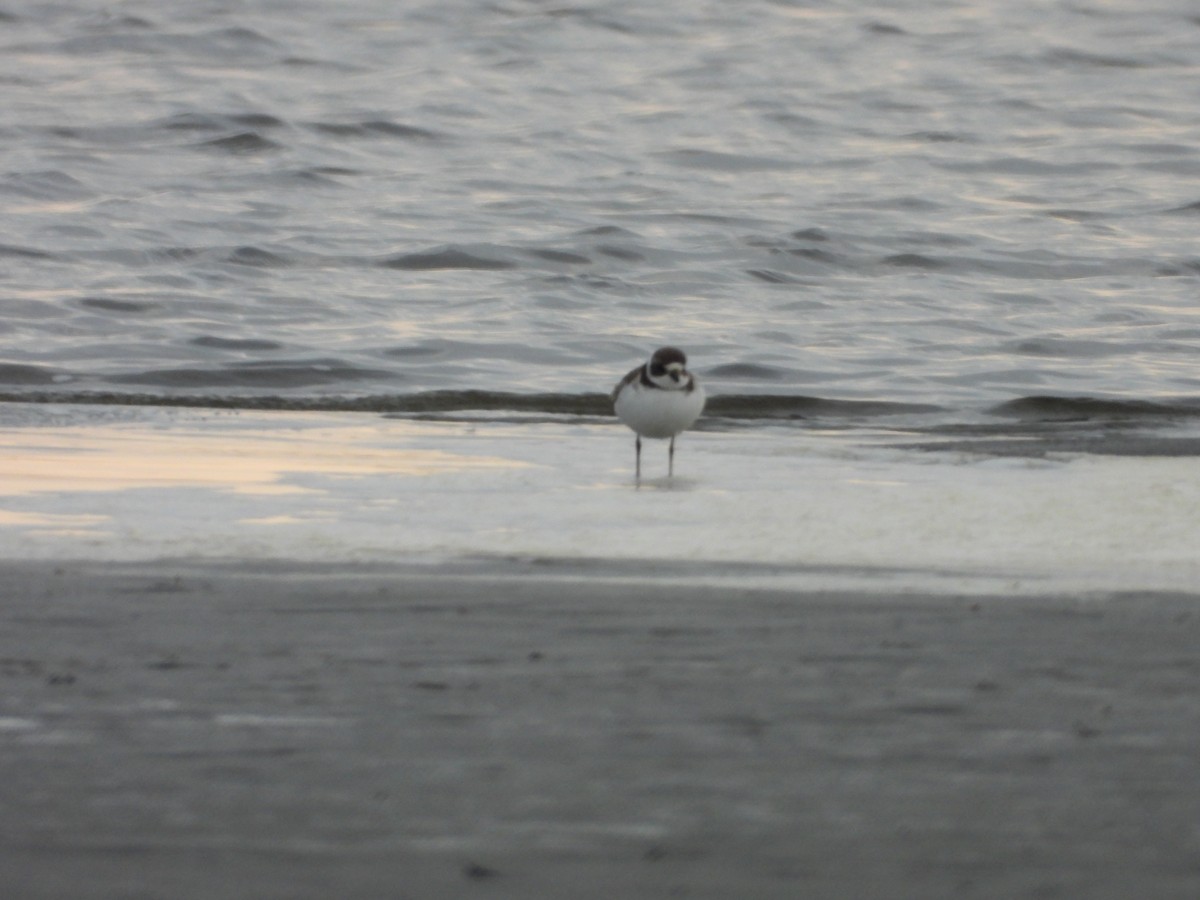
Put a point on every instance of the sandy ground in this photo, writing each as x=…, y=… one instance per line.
x=187, y=730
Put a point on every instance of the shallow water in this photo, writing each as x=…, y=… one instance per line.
x=953, y=205
x=769, y=505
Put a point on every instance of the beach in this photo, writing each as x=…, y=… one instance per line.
x=256, y=729
x=324, y=569
x=285, y=655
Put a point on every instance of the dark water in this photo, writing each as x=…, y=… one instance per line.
x=908, y=209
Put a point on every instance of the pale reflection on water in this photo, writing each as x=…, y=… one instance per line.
x=173, y=484
x=63, y=523
x=121, y=457
x=155, y=481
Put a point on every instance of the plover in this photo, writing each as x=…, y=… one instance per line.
x=659, y=399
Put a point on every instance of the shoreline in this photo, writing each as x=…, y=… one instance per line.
x=846, y=509
x=195, y=730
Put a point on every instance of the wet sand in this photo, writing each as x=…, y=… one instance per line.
x=201, y=730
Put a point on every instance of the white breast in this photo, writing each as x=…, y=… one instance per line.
x=656, y=413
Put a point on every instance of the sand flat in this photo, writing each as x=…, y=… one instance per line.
x=264, y=729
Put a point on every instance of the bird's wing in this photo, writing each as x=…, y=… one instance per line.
x=633, y=376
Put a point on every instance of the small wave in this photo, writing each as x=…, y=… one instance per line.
x=426, y=403
x=811, y=234
x=884, y=28
x=755, y=371
x=49, y=184
x=189, y=121
x=939, y=137
x=1020, y=165
x=238, y=344
x=817, y=255
x=899, y=202
x=257, y=120
x=914, y=261
x=242, y=143
x=786, y=406
x=560, y=256
x=1091, y=408
x=193, y=121
x=18, y=373
x=1074, y=215
x=608, y=231
x=375, y=128
x=131, y=36
x=744, y=407
x=1038, y=446
x=449, y=258
x=108, y=304
x=1070, y=58
x=622, y=253
x=23, y=252
x=257, y=257
x=281, y=374
x=318, y=176
x=1065, y=348
x=772, y=277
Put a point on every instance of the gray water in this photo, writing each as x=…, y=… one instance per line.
x=931, y=204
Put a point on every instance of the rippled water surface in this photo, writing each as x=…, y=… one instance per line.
x=950, y=203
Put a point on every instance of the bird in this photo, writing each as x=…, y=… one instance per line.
x=659, y=399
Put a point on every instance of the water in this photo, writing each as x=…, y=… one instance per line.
x=944, y=206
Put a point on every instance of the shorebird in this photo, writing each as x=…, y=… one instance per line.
x=659, y=399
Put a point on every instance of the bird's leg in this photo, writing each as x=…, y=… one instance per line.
x=671, y=458
x=637, y=443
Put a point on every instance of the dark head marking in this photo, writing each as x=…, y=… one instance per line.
x=665, y=356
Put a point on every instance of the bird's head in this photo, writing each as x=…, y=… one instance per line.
x=668, y=368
